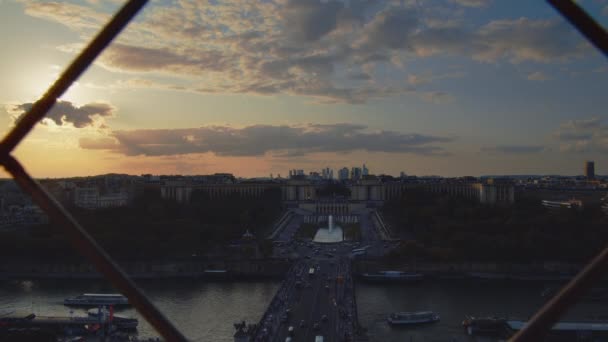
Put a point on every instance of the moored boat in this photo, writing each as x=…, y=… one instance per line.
x=412, y=318
x=97, y=299
x=484, y=326
x=121, y=323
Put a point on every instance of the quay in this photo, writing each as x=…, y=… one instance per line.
x=65, y=325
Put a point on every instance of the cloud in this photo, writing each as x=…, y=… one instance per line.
x=309, y=48
x=65, y=113
x=526, y=39
x=513, y=149
x=583, y=135
x=144, y=59
x=258, y=140
x=309, y=20
x=436, y=97
x=472, y=3
x=391, y=28
x=72, y=15
x=538, y=76
x=429, y=77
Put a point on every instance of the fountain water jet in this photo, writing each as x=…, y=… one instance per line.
x=329, y=234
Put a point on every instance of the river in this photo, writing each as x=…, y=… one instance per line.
x=206, y=311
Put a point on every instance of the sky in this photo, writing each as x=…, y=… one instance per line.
x=427, y=87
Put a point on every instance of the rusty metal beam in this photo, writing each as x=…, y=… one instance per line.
x=548, y=315
x=70, y=75
x=583, y=22
x=90, y=249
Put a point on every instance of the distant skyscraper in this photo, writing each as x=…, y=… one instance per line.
x=365, y=171
x=294, y=173
x=355, y=173
x=327, y=173
x=590, y=169
x=343, y=174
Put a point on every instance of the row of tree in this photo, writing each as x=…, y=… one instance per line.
x=154, y=227
x=446, y=228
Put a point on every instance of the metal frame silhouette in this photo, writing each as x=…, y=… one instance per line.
x=538, y=326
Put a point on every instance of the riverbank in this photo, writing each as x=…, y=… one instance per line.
x=221, y=269
x=218, y=269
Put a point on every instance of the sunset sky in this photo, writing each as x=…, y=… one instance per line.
x=442, y=87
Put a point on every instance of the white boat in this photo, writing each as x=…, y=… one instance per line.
x=96, y=299
x=407, y=318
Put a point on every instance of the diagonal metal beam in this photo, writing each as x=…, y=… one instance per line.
x=71, y=74
x=548, y=315
x=79, y=238
x=87, y=247
x=583, y=22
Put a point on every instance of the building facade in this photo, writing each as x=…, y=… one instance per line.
x=590, y=169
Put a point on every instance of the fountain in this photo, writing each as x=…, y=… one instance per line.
x=329, y=234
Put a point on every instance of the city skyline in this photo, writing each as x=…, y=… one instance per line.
x=451, y=88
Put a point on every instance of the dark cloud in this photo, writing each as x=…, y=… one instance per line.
x=392, y=28
x=258, y=140
x=136, y=58
x=64, y=112
x=513, y=149
x=309, y=20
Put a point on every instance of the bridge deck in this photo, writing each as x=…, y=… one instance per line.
x=328, y=292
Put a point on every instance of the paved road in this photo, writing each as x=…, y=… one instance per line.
x=321, y=303
x=288, y=233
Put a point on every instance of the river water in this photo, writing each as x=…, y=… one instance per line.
x=206, y=311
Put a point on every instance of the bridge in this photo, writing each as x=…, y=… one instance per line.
x=317, y=296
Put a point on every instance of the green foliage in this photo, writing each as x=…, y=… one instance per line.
x=154, y=228
x=307, y=231
x=447, y=228
x=352, y=231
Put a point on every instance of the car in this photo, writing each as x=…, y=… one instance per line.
x=290, y=330
x=302, y=324
x=327, y=287
x=324, y=318
x=316, y=326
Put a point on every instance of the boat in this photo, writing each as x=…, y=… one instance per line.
x=393, y=276
x=492, y=326
x=121, y=323
x=97, y=299
x=411, y=318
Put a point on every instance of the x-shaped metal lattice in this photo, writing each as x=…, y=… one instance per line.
x=87, y=246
